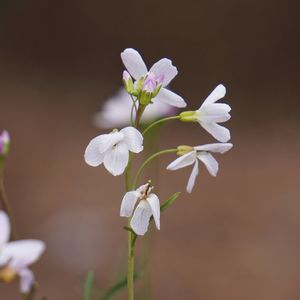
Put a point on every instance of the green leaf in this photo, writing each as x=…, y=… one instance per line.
x=88, y=286
x=117, y=287
x=169, y=201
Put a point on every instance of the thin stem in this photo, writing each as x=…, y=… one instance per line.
x=160, y=121
x=5, y=203
x=148, y=160
x=139, y=115
x=130, y=273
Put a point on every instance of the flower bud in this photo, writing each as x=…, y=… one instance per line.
x=183, y=149
x=188, y=116
x=4, y=143
x=128, y=83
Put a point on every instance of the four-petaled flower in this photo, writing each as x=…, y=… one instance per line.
x=193, y=154
x=17, y=256
x=159, y=76
x=211, y=113
x=113, y=149
x=116, y=111
x=148, y=206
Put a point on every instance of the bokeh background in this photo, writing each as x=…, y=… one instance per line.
x=237, y=236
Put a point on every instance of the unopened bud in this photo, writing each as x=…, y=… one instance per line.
x=4, y=143
x=128, y=83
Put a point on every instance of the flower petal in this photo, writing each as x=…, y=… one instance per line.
x=216, y=112
x=26, y=280
x=4, y=229
x=218, y=93
x=210, y=162
x=23, y=253
x=219, y=132
x=141, y=217
x=155, y=207
x=192, y=179
x=164, y=67
x=168, y=97
x=216, y=147
x=133, y=139
x=116, y=159
x=134, y=63
x=94, y=153
x=183, y=161
x=128, y=203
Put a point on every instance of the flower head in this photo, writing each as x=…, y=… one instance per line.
x=17, y=256
x=116, y=111
x=4, y=143
x=191, y=155
x=113, y=149
x=156, y=79
x=147, y=207
x=211, y=113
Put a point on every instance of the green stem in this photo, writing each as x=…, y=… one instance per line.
x=5, y=203
x=145, y=163
x=160, y=121
x=130, y=273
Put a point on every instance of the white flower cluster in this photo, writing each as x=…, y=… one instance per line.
x=146, y=93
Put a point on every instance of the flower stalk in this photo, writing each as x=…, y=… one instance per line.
x=159, y=122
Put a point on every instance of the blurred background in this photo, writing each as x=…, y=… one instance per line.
x=237, y=235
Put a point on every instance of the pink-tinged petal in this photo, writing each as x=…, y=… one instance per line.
x=26, y=280
x=210, y=162
x=133, y=139
x=219, y=132
x=168, y=97
x=128, y=203
x=141, y=217
x=192, y=178
x=23, y=253
x=116, y=159
x=164, y=68
x=216, y=147
x=4, y=229
x=155, y=207
x=218, y=93
x=183, y=161
x=134, y=63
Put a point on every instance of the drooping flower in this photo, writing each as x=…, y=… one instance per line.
x=4, y=143
x=191, y=155
x=147, y=207
x=112, y=149
x=116, y=111
x=156, y=79
x=17, y=256
x=210, y=114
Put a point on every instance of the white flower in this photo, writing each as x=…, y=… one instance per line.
x=113, y=149
x=17, y=256
x=161, y=73
x=148, y=206
x=201, y=153
x=211, y=113
x=116, y=111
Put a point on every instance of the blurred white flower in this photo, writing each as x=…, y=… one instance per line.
x=211, y=113
x=148, y=206
x=159, y=75
x=191, y=155
x=17, y=256
x=116, y=111
x=113, y=149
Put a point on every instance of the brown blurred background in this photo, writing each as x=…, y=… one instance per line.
x=237, y=236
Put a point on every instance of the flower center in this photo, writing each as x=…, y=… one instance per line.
x=7, y=274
